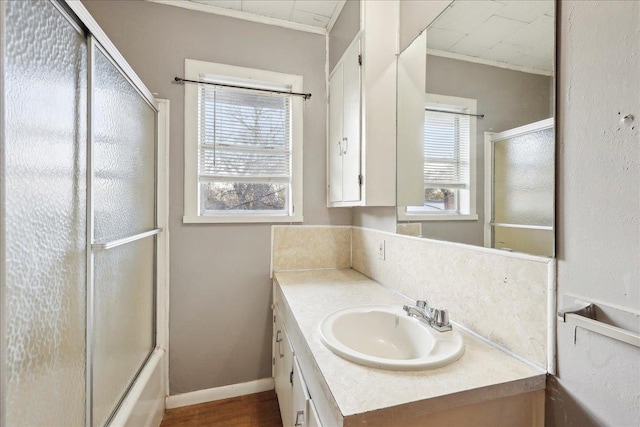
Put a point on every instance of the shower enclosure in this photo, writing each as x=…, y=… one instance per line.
x=519, y=192
x=78, y=218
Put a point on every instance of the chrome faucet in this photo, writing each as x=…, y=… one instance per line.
x=437, y=318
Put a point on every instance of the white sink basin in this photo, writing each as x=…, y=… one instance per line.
x=383, y=336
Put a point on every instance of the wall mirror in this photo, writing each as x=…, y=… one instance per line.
x=476, y=137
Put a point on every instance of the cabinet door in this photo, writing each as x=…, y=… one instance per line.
x=313, y=420
x=282, y=368
x=335, y=135
x=351, y=124
x=300, y=397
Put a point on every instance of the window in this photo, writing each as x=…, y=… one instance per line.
x=243, y=147
x=449, y=157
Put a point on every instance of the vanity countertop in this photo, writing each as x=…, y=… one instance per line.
x=483, y=373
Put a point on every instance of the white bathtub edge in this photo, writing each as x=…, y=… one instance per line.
x=145, y=403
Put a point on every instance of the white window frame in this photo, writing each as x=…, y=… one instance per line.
x=193, y=71
x=471, y=106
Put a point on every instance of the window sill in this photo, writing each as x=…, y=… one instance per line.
x=404, y=216
x=239, y=219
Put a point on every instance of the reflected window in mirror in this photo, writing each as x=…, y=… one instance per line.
x=448, y=150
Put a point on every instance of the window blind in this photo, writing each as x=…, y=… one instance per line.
x=244, y=136
x=446, y=150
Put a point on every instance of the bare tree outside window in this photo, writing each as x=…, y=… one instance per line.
x=221, y=196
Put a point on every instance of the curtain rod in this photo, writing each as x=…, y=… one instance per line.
x=480, y=116
x=284, y=92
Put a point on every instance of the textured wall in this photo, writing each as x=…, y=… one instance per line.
x=220, y=289
x=598, y=204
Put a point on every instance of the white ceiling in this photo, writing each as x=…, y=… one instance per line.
x=519, y=33
x=314, y=14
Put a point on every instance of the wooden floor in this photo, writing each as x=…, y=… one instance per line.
x=253, y=410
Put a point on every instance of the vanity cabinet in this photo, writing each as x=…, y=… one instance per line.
x=304, y=410
x=296, y=407
x=283, y=368
x=361, y=142
x=484, y=387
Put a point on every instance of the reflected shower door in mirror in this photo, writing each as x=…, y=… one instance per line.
x=476, y=140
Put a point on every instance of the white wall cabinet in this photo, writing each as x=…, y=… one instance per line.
x=344, y=128
x=361, y=143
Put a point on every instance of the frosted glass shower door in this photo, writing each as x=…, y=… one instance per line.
x=123, y=187
x=523, y=189
x=42, y=216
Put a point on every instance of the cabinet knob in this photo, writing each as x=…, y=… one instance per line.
x=339, y=144
x=299, y=419
x=346, y=144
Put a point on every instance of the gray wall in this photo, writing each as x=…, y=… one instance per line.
x=220, y=327
x=379, y=218
x=508, y=99
x=343, y=32
x=598, y=250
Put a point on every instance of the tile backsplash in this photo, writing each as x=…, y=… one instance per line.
x=301, y=247
x=500, y=296
x=409, y=228
x=505, y=297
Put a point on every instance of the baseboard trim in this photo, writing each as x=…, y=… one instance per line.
x=219, y=393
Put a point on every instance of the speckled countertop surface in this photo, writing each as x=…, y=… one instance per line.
x=482, y=373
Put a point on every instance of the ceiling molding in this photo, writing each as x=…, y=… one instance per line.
x=336, y=15
x=490, y=62
x=200, y=7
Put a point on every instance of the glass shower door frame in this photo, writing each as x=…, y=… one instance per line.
x=490, y=138
x=93, y=246
x=97, y=39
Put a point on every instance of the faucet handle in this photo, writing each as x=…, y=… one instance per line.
x=422, y=304
x=441, y=316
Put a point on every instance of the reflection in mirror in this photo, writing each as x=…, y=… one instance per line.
x=476, y=137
